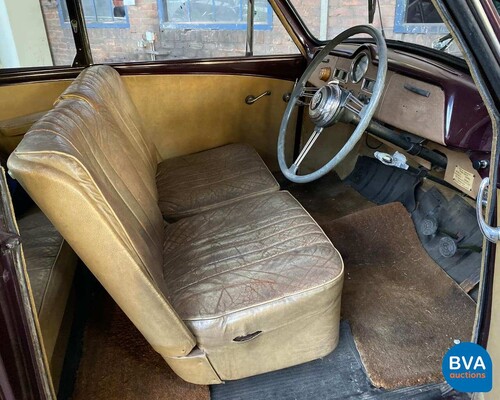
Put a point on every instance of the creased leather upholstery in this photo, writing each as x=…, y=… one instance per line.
x=102, y=88
x=198, y=182
x=41, y=245
x=245, y=254
x=51, y=265
x=261, y=264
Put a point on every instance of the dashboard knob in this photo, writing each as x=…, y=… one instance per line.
x=480, y=164
x=325, y=73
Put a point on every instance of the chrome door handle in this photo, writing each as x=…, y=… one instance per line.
x=489, y=232
x=252, y=99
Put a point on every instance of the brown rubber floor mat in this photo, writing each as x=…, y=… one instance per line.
x=404, y=310
x=118, y=363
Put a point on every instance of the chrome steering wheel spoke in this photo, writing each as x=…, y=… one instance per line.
x=305, y=96
x=307, y=147
x=353, y=104
x=308, y=91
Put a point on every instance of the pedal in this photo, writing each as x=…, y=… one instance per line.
x=429, y=227
x=447, y=247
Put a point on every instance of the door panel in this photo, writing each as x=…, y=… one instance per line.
x=20, y=106
x=21, y=351
x=185, y=114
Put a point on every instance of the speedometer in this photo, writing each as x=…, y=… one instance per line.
x=359, y=67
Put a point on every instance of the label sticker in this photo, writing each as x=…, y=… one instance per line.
x=463, y=178
x=467, y=367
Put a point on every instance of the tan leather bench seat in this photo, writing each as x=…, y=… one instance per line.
x=51, y=265
x=240, y=289
x=188, y=184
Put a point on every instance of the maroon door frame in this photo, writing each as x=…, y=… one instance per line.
x=20, y=374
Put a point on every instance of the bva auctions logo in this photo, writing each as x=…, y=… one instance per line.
x=467, y=367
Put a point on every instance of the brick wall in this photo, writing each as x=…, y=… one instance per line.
x=107, y=44
x=61, y=42
x=121, y=44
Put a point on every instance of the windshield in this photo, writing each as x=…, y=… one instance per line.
x=410, y=21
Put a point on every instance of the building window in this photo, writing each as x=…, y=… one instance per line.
x=213, y=14
x=418, y=16
x=99, y=13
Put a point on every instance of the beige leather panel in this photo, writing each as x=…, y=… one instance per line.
x=198, y=182
x=185, y=114
x=24, y=99
x=420, y=115
x=18, y=126
x=96, y=199
x=459, y=171
x=56, y=297
x=194, y=368
x=295, y=330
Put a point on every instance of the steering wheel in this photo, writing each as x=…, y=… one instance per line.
x=330, y=104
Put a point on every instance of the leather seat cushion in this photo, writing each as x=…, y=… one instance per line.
x=41, y=245
x=260, y=264
x=199, y=182
x=51, y=266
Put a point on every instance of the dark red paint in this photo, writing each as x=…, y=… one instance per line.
x=19, y=378
x=279, y=67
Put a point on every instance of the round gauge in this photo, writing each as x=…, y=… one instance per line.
x=359, y=67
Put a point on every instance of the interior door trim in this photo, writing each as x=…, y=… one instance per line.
x=286, y=67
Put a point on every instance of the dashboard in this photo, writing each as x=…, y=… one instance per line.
x=434, y=102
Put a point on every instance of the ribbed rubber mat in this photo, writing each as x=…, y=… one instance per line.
x=383, y=184
x=454, y=220
x=340, y=375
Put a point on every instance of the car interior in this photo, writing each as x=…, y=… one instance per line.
x=319, y=239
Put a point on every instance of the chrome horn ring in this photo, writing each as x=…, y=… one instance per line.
x=326, y=105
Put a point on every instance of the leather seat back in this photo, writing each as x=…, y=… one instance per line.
x=95, y=183
x=102, y=87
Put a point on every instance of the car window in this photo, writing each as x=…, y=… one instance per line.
x=137, y=30
x=29, y=33
x=146, y=30
x=411, y=21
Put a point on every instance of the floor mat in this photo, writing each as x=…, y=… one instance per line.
x=326, y=198
x=340, y=375
x=405, y=311
x=118, y=363
x=383, y=184
x=443, y=224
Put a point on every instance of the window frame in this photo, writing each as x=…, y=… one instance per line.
x=227, y=26
x=91, y=25
x=400, y=26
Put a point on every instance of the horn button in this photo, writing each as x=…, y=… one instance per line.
x=326, y=105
